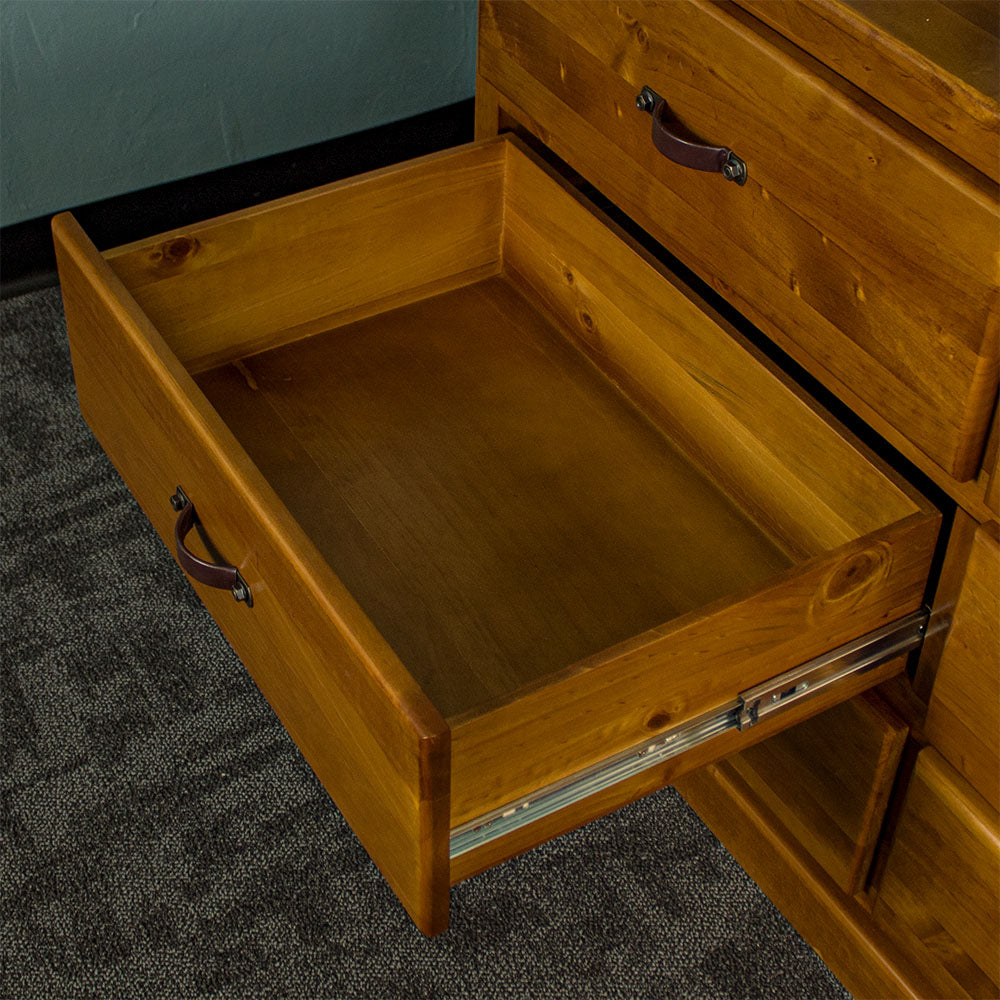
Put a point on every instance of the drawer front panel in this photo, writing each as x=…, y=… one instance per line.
x=963, y=718
x=828, y=780
x=850, y=245
x=938, y=895
x=379, y=748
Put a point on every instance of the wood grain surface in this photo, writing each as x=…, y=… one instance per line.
x=301, y=265
x=963, y=717
x=687, y=667
x=822, y=249
x=372, y=737
x=938, y=895
x=850, y=532
x=755, y=433
x=666, y=773
x=935, y=63
x=828, y=781
x=498, y=508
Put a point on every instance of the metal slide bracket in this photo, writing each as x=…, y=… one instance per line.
x=750, y=707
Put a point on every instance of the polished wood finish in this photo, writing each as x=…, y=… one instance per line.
x=705, y=385
x=497, y=507
x=540, y=516
x=938, y=897
x=756, y=436
x=933, y=62
x=859, y=951
x=282, y=271
x=828, y=781
x=362, y=723
x=963, y=718
x=684, y=668
x=839, y=296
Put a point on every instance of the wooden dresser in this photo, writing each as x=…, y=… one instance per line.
x=511, y=527
x=864, y=243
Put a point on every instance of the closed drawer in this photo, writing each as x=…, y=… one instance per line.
x=963, y=717
x=860, y=247
x=510, y=504
x=938, y=897
x=828, y=781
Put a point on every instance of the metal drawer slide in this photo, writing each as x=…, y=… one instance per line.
x=750, y=707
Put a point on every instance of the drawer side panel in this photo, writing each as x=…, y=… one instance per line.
x=378, y=746
x=689, y=667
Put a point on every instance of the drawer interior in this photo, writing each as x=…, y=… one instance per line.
x=552, y=480
x=496, y=505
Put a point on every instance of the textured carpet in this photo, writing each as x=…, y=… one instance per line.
x=162, y=837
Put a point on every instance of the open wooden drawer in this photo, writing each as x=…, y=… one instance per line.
x=526, y=531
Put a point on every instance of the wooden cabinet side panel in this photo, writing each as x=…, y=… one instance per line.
x=373, y=741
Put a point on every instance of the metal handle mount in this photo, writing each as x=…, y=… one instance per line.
x=219, y=575
x=685, y=149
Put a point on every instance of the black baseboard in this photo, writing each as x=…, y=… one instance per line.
x=26, y=256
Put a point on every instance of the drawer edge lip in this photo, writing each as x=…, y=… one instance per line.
x=964, y=800
x=926, y=516
x=236, y=465
x=500, y=142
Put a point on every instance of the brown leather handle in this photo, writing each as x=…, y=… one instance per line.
x=219, y=575
x=670, y=140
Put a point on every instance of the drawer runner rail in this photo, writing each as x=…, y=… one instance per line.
x=750, y=707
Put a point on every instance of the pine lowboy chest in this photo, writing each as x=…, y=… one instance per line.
x=511, y=527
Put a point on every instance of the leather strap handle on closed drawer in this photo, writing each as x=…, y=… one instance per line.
x=686, y=150
x=219, y=575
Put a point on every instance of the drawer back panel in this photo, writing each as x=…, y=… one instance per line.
x=861, y=248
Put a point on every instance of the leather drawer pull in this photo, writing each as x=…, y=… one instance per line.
x=219, y=575
x=687, y=151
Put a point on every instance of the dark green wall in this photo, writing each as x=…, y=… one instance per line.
x=99, y=97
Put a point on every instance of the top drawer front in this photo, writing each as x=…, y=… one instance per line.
x=868, y=259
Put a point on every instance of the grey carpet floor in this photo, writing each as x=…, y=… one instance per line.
x=163, y=838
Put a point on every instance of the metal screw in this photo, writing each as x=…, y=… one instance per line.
x=178, y=501
x=645, y=100
x=241, y=592
x=734, y=169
